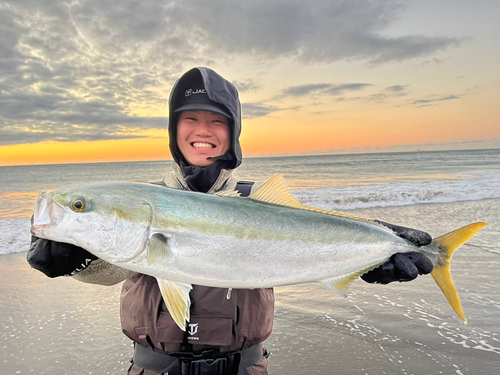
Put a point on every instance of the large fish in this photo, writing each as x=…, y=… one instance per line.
x=266, y=240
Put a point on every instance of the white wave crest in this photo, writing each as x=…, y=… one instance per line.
x=479, y=185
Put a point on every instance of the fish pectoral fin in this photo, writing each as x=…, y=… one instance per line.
x=176, y=297
x=340, y=284
x=157, y=250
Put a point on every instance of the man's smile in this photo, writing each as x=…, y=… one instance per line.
x=202, y=145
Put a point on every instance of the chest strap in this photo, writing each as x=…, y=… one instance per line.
x=206, y=363
x=244, y=187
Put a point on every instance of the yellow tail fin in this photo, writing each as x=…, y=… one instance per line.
x=441, y=273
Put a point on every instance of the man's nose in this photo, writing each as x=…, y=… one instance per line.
x=203, y=128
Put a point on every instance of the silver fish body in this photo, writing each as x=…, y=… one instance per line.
x=183, y=238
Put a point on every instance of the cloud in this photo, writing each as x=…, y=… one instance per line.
x=340, y=90
x=324, y=88
x=321, y=31
x=390, y=92
x=434, y=61
x=424, y=102
x=52, y=115
x=254, y=110
x=396, y=88
x=87, y=64
x=69, y=134
x=246, y=85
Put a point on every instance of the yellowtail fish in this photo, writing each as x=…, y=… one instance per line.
x=268, y=239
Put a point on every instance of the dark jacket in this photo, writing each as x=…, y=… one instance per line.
x=236, y=323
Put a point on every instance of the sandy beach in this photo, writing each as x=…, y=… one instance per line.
x=58, y=326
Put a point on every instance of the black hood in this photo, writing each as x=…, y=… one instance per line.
x=220, y=91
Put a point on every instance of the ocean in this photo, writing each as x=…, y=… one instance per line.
x=61, y=326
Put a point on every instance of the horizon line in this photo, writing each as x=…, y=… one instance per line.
x=281, y=155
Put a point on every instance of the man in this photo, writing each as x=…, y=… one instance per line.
x=227, y=328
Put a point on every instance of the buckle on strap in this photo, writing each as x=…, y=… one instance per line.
x=219, y=366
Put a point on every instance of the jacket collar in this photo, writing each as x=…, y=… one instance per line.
x=225, y=181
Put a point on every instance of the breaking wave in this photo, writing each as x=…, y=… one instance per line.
x=476, y=186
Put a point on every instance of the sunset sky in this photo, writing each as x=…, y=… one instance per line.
x=89, y=80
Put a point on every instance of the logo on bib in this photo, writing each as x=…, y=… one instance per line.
x=193, y=330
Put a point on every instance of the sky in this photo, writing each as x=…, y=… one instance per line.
x=89, y=80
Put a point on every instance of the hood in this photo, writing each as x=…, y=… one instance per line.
x=218, y=90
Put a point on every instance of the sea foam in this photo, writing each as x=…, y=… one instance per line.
x=14, y=235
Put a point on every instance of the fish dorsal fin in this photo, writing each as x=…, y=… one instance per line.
x=176, y=297
x=276, y=192
x=228, y=193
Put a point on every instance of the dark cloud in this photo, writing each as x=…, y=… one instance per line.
x=324, y=88
x=86, y=64
x=70, y=134
x=319, y=31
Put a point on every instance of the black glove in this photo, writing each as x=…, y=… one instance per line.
x=418, y=237
x=57, y=258
x=405, y=266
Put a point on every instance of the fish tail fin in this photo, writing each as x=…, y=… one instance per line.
x=448, y=243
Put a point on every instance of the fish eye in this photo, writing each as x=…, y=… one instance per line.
x=78, y=204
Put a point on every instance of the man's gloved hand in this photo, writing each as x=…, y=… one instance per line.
x=402, y=267
x=57, y=258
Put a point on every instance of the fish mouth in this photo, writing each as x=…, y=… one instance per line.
x=202, y=145
x=47, y=214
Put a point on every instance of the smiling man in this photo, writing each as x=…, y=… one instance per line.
x=226, y=328
x=204, y=142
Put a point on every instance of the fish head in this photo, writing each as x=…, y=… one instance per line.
x=105, y=219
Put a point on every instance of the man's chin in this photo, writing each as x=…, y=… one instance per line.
x=202, y=160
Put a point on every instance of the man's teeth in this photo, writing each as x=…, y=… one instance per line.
x=202, y=145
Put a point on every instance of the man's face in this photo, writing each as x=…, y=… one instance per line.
x=202, y=134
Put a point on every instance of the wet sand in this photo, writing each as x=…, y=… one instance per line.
x=58, y=326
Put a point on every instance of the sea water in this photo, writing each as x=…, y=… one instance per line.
x=52, y=326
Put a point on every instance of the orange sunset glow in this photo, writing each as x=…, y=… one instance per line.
x=395, y=79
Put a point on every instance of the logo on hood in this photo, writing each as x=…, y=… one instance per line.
x=190, y=92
